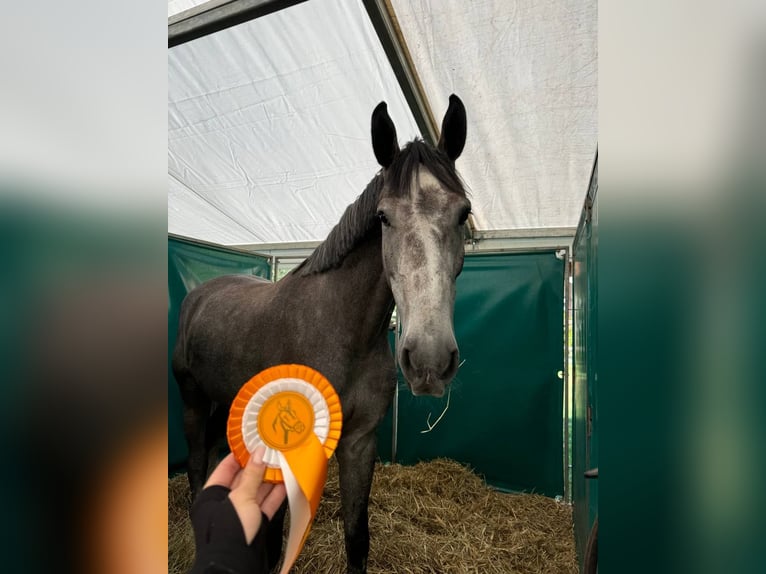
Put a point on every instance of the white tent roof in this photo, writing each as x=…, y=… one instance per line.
x=269, y=120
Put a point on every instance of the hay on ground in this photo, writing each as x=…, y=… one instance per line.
x=433, y=517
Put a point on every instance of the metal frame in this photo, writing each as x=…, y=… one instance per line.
x=234, y=248
x=568, y=386
x=196, y=10
x=218, y=15
x=496, y=241
x=588, y=203
x=297, y=250
x=534, y=232
x=395, y=404
x=514, y=240
x=585, y=218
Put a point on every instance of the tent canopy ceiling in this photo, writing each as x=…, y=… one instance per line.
x=268, y=121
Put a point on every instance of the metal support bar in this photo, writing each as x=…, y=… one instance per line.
x=590, y=197
x=568, y=282
x=390, y=35
x=525, y=233
x=215, y=16
x=230, y=248
x=196, y=10
x=273, y=268
x=395, y=413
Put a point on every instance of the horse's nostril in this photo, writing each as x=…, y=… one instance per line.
x=404, y=359
x=452, y=365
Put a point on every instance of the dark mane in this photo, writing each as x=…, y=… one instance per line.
x=357, y=221
x=359, y=218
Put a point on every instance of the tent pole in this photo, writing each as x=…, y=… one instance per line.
x=215, y=16
x=390, y=35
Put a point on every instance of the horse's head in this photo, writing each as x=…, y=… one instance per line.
x=422, y=208
x=289, y=419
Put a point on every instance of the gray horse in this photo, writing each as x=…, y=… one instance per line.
x=400, y=242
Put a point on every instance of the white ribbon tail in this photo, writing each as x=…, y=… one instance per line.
x=300, y=515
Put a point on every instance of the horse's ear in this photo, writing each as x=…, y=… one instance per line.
x=384, y=142
x=452, y=139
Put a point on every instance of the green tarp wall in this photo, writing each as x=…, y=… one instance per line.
x=585, y=346
x=505, y=412
x=190, y=264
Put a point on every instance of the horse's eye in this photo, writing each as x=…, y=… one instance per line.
x=464, y=216
x=383, y=219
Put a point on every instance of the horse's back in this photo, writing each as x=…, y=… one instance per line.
x=214, y=322
x=219, y=294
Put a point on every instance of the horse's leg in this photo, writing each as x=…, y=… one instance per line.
x=196, y=412
x=215, y=434
x=356, y=462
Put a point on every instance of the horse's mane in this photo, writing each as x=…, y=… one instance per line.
x=357, y=221
x=359, y=218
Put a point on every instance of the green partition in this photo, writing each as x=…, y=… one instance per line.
x=504, y=418
x=189, y=265
x=505, y=411
x=585, y=376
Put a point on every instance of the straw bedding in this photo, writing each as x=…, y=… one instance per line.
x=433, y=517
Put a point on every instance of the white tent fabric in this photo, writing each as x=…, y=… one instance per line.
x=269, y=121
x=268, y=124
x=527, y=74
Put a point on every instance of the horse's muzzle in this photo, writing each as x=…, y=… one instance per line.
x=428, y=373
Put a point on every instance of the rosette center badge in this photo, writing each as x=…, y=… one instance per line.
x=286, y=420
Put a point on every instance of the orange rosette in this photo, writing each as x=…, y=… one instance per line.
x=283, y=408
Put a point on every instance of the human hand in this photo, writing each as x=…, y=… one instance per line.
x=248, y=493
x=228, y=514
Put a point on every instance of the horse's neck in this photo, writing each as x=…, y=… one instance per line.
x=360, y=285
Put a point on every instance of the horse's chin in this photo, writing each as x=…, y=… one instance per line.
x=427, y=385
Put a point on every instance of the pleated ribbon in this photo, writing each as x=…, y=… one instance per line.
x=295, y=413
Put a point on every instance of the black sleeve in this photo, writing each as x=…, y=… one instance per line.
x=220, y=539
